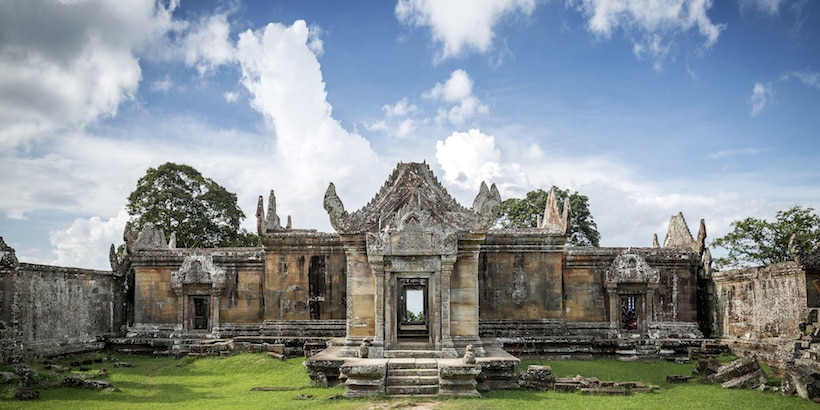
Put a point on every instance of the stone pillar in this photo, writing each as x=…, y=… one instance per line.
x=361, y=297
x=614, y=307
x=215, y=292
x=443, y=300
x=382, y=336
x=179, y=328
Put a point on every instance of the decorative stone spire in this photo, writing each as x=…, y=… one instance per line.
x=655, y=243
x=678, y=234
x=269, y=222
x=553, y=219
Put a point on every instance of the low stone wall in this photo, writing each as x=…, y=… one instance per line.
x=51, y=310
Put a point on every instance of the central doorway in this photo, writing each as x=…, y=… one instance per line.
x=413, y=316
x=201, y=312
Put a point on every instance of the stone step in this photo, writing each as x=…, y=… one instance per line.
x=411, y=390
x=410, y=363
x=414, y=353
x=412, y=372
x=412, y=380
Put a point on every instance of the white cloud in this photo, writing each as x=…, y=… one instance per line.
x=458, y=26
x=467, y=158
x=657, y=22
x=207, y=46
x=231, y=96
x=87, y=241
x=457, y=92
x=81, y=68
x=809, y=78
x=761, y=97
x=284, y=79
x=399, y=109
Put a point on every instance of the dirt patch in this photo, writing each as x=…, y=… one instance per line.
x=407, y=405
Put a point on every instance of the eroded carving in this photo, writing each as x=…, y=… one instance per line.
x=198, y=269
x=631, y=268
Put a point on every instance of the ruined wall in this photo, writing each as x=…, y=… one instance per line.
x=758, y=310
x=304, y=276
x=762, y=302
x=49, y=310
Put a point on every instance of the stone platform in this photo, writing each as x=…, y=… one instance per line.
x=409, y=373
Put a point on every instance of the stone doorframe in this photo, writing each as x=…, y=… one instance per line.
x=437, y=270
x=197, y=276
x=629, y=274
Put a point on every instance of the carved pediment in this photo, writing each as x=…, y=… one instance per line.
x=631, y=268
x=197, y=270
x=414, y=187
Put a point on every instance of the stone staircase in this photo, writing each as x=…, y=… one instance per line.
x=409, y=376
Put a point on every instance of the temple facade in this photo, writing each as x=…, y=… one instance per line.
x=415, y=270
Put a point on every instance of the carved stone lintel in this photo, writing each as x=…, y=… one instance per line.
x=198, y=269
x=631, y=268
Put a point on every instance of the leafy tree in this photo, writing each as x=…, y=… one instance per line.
x=755, y=241
x=524, y=213
x=177, y=198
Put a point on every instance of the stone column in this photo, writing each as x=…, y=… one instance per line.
x=383, y=335
x=447, y=346
x=215, y=292
x=614, y=307
x=179, y=328
x=361, y=297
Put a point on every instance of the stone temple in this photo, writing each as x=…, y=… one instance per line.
x=416, y=280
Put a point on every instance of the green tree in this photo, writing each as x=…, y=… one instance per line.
x=755, y=241
x=524, y=213
x=177, y=198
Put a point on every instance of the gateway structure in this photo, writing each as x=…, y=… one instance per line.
x=414, y=242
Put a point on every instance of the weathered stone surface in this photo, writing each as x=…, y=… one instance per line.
x=26, y=393
x=747, y=381
x=677, y=378
x=537, y=377
x=801, y=380
x=737, y=368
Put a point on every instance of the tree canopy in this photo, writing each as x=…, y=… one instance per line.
x=754, y=241
x=524, y=213
x=177, y=198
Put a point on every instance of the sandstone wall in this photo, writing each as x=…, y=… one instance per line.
x=304, y=277
x=762, y=302
x=48, y=310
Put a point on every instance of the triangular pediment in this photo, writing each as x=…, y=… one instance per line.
x=412, y=193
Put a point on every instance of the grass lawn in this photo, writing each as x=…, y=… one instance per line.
x=206, y=383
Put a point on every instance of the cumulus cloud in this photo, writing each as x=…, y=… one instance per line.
x=81, y=68
x=206, y=45
x=467, y=158
x=284, y=78
x=457, y=93
x=86, y=242
x=655, y=22
x=462, y=25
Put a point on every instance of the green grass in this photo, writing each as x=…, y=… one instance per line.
x=226, y=383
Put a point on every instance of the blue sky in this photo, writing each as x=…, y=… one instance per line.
x=648, y=107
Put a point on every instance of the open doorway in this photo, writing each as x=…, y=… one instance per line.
x=413, y=315
x=630, y=312
x=201, y=312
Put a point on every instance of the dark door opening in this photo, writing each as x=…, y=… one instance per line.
x=629, y=312
x=201, y=312
x=413, y=321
